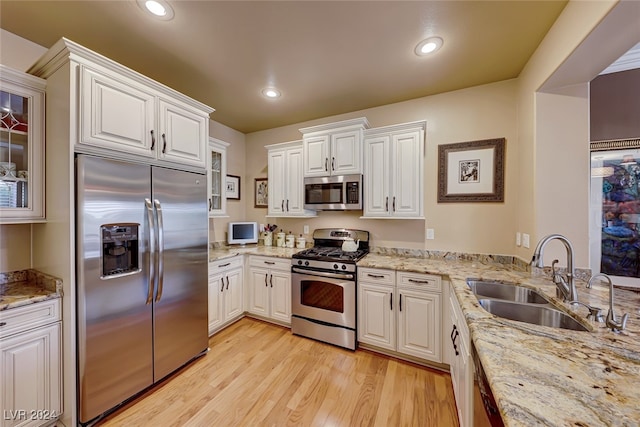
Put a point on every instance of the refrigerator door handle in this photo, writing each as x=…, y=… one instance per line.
x=158, y=210
x=152, y=250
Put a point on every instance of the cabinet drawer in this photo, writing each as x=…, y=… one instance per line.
x=378, y=276
x=225, y=264
x=283, y=264
x=419, y=281
x=23, y=318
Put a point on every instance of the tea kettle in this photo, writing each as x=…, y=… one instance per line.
x=350, y=245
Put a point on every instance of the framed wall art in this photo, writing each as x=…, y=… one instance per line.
x=471, y=171
x=261, y=193
x=233, y=187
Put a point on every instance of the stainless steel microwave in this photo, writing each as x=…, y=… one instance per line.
x=333, y=193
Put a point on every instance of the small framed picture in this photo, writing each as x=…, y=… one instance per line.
x=471, y=171
x=233, y=187
x=262, y=193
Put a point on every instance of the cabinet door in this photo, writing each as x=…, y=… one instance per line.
x=217, y=171
x=294, y=204
x=183, y=134
x=21, y=146
x=406, y=178
x=280, y=287
x=316, y=156
x=277, y=182
x=31, y=377
x=376, y=176
x=259, y=291
x=419, y=324
x=376, y=316
x=233, y=295
x=215, y=301
x=346, y=153
x=116, y=114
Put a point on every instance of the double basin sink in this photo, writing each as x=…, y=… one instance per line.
x=515, y=302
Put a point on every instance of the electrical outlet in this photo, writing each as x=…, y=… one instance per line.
x=518, y=239
x=430, y=234
x=525, y=240
x=305, y=229
x=261, y=227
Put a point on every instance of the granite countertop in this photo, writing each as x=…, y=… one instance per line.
x=544, y=376
x=223, y=252
x=18, y=288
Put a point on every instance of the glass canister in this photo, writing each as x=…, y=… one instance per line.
x=280, y=239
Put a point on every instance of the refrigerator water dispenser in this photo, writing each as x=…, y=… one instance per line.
x=119, y=249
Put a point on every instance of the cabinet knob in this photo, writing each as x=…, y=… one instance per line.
x=153, y=140
x=164, y=144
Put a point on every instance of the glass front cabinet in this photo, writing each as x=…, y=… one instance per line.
x=21, y=147
x=217, y=171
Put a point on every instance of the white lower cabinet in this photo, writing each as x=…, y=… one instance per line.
x=401, y=312
x=269, y=284
x=226, y=281
x=31, y=364
x=460, y=362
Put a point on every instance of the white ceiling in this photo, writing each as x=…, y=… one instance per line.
x=327, y=57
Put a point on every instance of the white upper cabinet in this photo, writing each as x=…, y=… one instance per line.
x=286, y=187
x=334, y=148
x=394, y=171
x=217, y=172
x=21, y=147
x=124, y=114
x=116, y=114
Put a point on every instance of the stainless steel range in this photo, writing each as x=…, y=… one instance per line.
x=323, y=286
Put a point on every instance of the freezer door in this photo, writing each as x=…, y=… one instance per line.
x=180, y=301
x=114, y=321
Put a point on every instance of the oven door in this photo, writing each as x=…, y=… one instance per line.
x=324, y=296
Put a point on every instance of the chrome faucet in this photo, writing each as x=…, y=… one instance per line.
x=566, y=288
x=612, y=322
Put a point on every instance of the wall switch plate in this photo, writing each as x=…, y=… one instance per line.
x=518, y=239
x=305, y=229
x=525, y=240
x=430, y=234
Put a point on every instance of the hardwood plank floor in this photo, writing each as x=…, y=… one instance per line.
x=258, y=374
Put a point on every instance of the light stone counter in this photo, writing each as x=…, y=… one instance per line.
x=18, y=288
x=231, y=251
x=544, y=376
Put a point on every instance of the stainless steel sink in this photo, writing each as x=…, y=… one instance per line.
x=531, y=313
x=506, y=291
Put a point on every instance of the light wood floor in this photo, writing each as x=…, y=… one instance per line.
x=258, y=374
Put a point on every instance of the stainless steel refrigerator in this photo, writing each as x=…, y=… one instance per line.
x=141, y=277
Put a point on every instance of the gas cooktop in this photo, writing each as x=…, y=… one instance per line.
x=328, y=246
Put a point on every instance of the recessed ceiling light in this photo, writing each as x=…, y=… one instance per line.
x=271, y=92
x=428, y=46
x=158, y=8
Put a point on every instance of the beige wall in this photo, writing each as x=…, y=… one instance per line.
x=480, y=112
x=553, y=120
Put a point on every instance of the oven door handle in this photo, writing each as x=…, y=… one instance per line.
x=323, y=274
